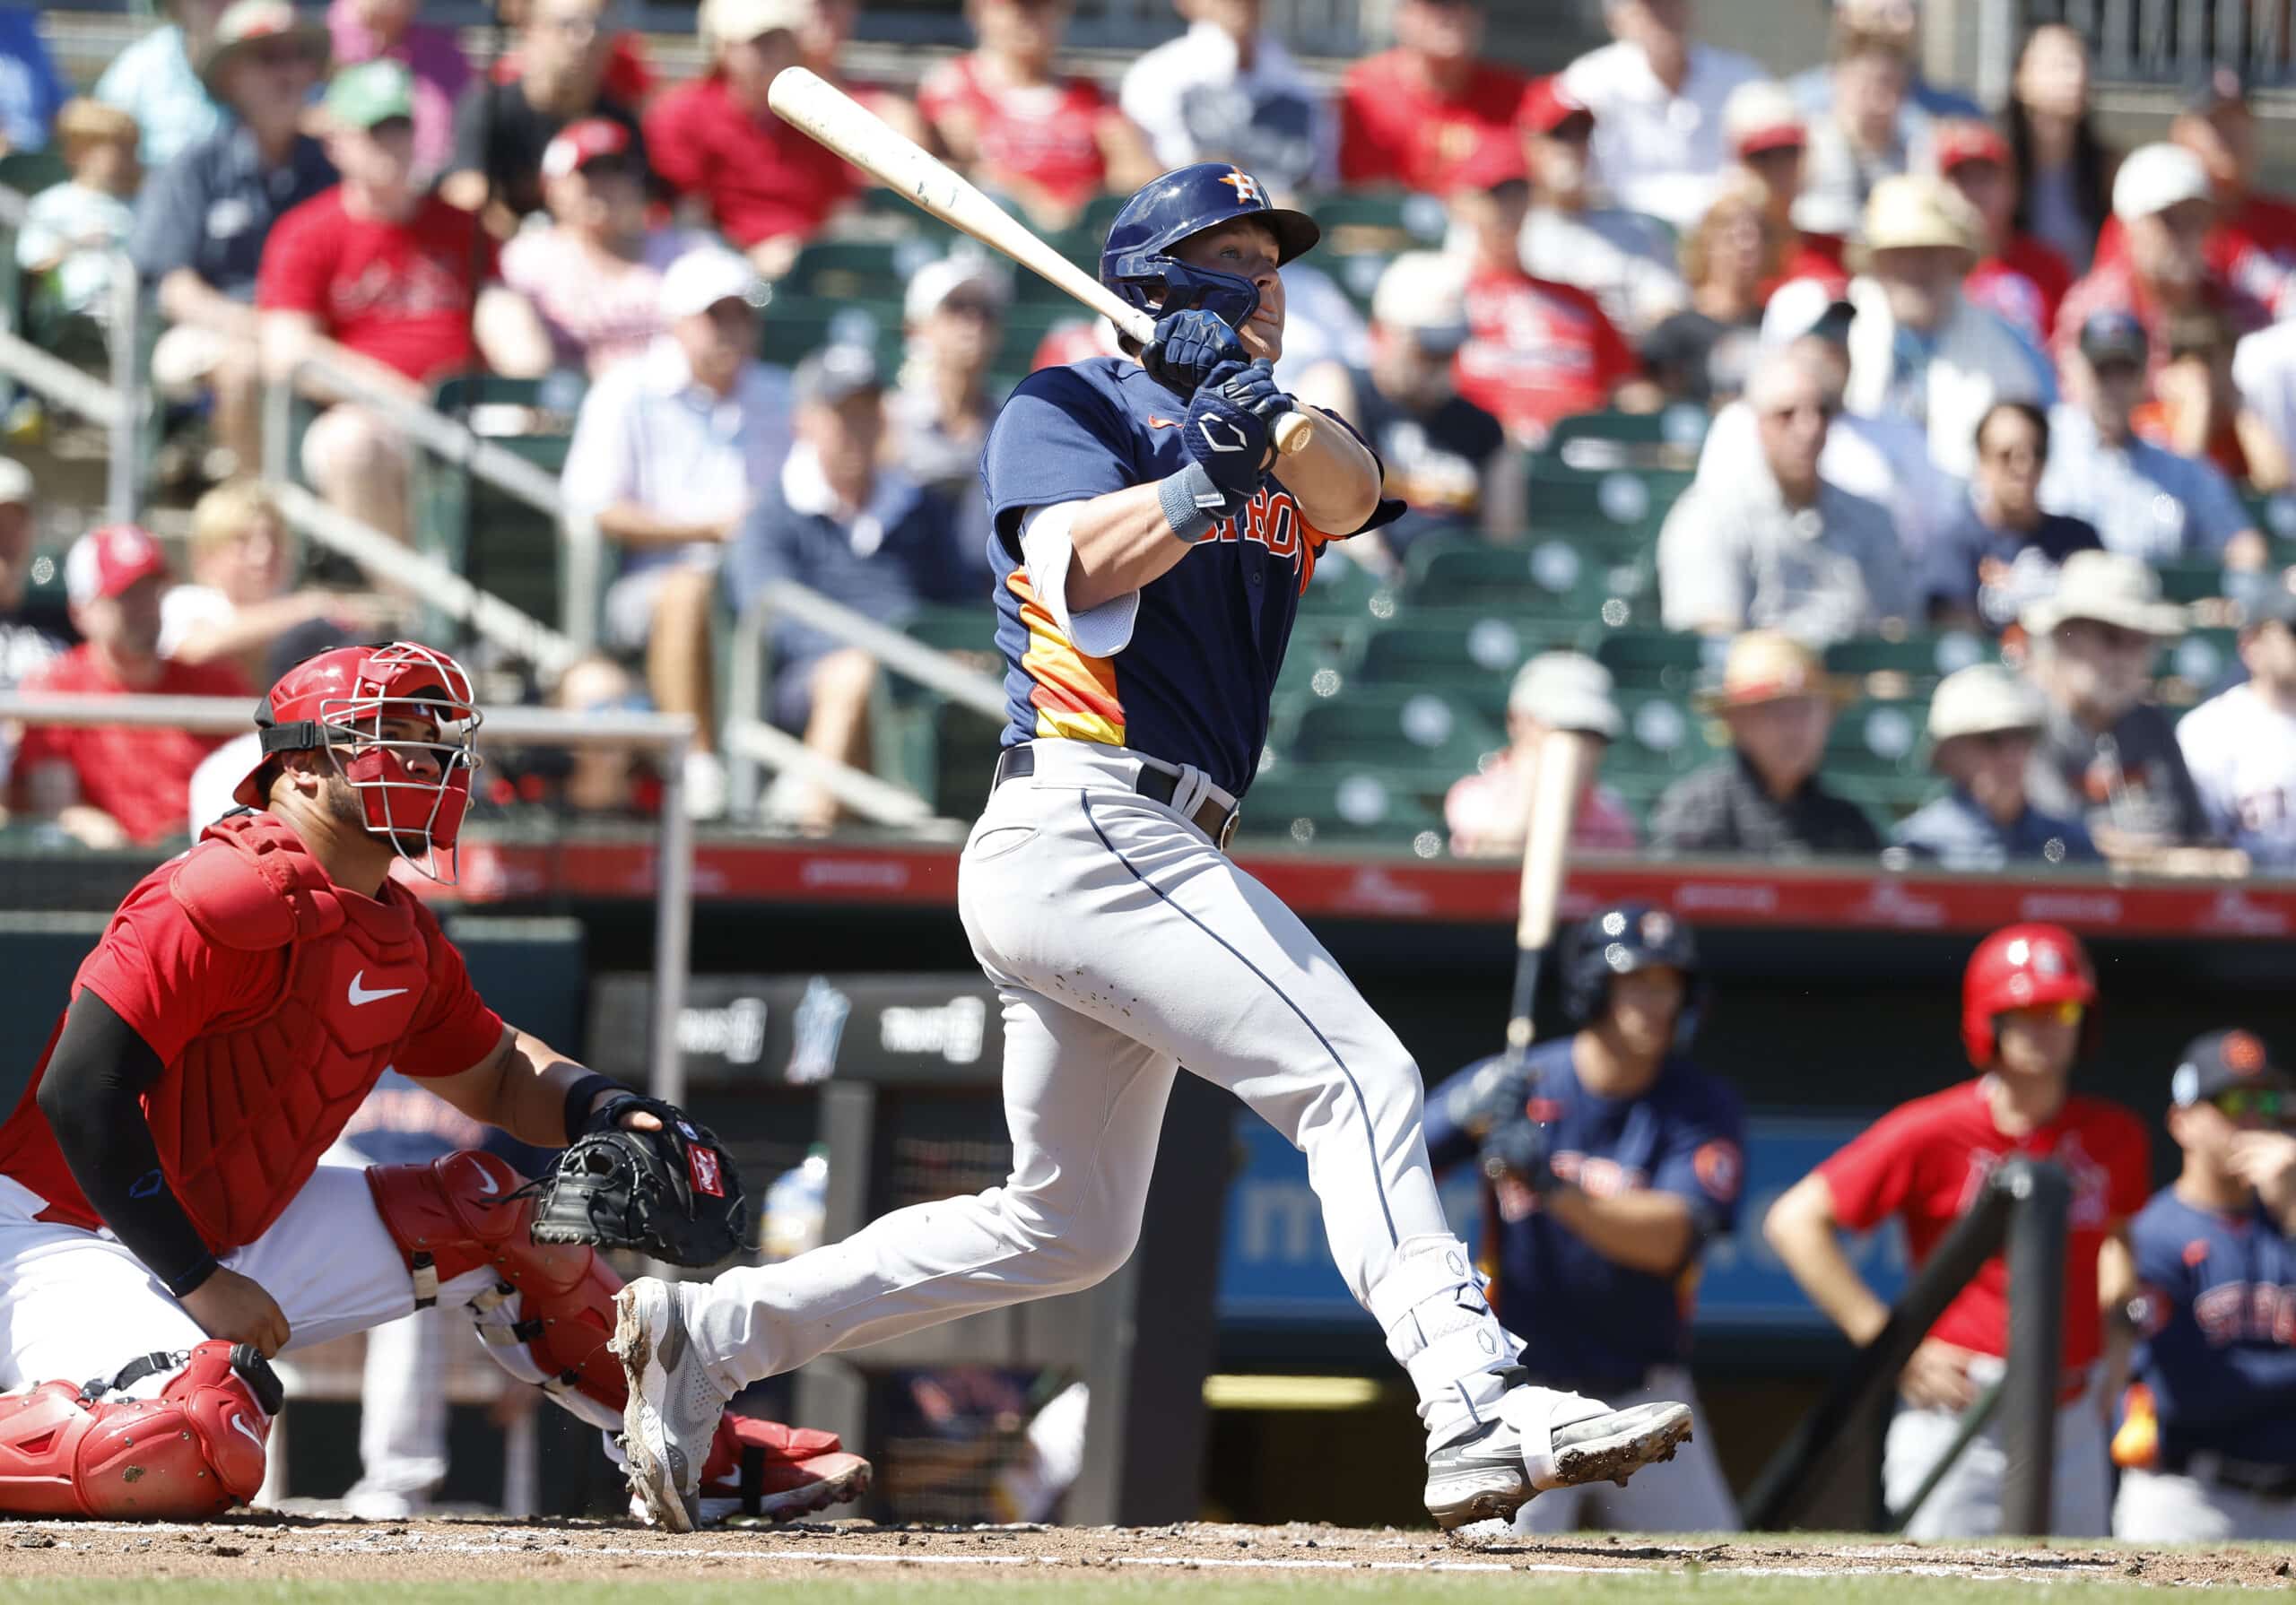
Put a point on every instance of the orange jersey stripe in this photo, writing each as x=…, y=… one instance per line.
x=1075, y=694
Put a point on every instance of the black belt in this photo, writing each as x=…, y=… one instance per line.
x=2265, y=1481
x=1018, y=763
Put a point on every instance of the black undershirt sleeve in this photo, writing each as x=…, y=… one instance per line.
x=92, y=1095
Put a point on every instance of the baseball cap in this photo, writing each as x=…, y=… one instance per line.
x=16, y=485
x=249, y=20
x=1983, y=700
x=1547, y=104
x=370, y=93
x=1959, y=143
x=108, y=559
x=1424, y=293
x=705, y=276
x=837, y=373
x=1802, y=306
x=933, y=283
x=731, y=22
x=2219, y=83
x=581, y=143
x=1761, y=117
x=2111, y=587
x=2113, y=336
x=1494, y=164
x=2222, y=1061
x=1565, y=691
x=2156, y=177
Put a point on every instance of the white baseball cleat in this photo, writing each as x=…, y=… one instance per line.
x=1545, y=1440
x=674, y=1407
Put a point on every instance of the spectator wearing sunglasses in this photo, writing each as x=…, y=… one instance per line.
x=1985, y=724
x=2241, y=746
x=2207, y=1438
x=2004, y=548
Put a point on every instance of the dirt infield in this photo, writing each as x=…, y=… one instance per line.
x=277, y=1548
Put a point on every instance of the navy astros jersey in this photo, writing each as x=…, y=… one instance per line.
x=2218, y=1311
x=1193, y=685
x=1685, y=1135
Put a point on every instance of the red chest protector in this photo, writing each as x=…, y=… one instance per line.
x=241, y=1118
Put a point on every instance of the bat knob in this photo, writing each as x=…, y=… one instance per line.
x=1518, y=1033
x=1293, y=431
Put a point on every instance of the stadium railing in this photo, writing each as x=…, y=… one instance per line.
x=668, y=737
x=753, y=743
x=2022, y=1212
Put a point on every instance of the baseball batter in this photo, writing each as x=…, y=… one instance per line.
x=2207, y=1445
x=1618, y=1160
x=166, y=1223
x=1149, y=561
x=2028, y=998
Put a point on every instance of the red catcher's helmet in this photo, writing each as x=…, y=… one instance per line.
x=337, y=700
x=2019, y=966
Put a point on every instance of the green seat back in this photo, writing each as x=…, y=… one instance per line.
x=1305, y=805
x=498, y=542
x=1880, y=737
x=1659, y=660
x=1924, y=658
x=1389, y=726
x=1664, y=736
x=1460, y=646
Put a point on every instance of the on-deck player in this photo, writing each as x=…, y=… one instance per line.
x=2207, y=1445
x=2028, y=1003
x=1620, y=1160
x=1150, y=564
x=166, y=1225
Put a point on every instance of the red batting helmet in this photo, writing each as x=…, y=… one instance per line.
x=337, y=700
x=2019, y=966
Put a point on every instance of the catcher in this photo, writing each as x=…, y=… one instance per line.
x=166, y=1226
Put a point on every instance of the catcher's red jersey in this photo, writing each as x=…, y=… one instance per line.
x=275, y=998
x=1924, y=1161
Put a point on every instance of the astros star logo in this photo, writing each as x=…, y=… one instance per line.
x=1248, y=190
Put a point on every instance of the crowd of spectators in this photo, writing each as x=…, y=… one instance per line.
x=1957, y=372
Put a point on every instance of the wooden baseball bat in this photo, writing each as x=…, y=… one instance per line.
x=1565, y=758
x=826, y=114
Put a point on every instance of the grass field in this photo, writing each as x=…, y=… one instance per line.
x=258, y=1559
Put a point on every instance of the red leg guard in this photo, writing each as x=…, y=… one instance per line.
x=191, y=1453
x=456, y=1214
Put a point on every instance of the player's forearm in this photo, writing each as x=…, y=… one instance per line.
x=1334, y=477
x=1119, y=542
x=522, y=1088
x=1801, y=1229
x=1641, y=1230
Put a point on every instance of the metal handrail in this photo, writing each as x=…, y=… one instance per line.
x=751, y=740
x=669, y=735
x=117, y=406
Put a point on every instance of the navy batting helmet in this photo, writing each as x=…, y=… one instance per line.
x=1619, y=940
x=1137, y=263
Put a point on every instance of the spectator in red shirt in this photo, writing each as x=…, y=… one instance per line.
x=380, y=280
x=1416, y=114
x=1771, y=144
x=2155, y=263
x=2253, y=245
x=2028, y=998
x=766, y=186
x=2018, y=278
x=111, y=785
x=629, y=76
x=1005, y=116
x=1536, y=351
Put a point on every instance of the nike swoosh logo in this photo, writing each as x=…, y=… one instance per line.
x=240, y=1425
x=486, y=1183
x=360, y=994
x=1155, y=422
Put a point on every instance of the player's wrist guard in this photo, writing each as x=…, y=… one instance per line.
x=578, y=1098
x=1193, y=503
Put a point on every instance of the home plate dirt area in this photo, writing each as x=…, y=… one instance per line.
x=265, y=1557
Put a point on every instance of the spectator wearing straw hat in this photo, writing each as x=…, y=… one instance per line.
x=111, y=785
x=2144, y=500
x=202, y=222
x=2240, y=745
x=1772, y=544
x=1919, y=349
x=766, y=186
x=1624, y=260
x=1766, y=798
x=1488, y=811
x=1985, y=724
x=2109, y=756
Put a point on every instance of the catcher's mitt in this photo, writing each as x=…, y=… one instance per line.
x=671, y=1194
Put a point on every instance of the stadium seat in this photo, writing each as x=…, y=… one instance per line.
x=1378, y=220
x=1460, y=646
x=851, y=269
x=2198, y=665
x=1665, y=737
x=1924, y=659
x=2190, y=579
x=1682, y=427
x=500, y=543
x=1625, y=504
x=1386, y=725
x=1659, y=659
x=795, y=324
x=1304, y=805
x=1877, y=737
x=1546, y=578
x=954, y=628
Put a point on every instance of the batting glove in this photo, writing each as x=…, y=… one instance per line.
x=1517, y=1146
x=1224, y=432
x=1188, y=348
